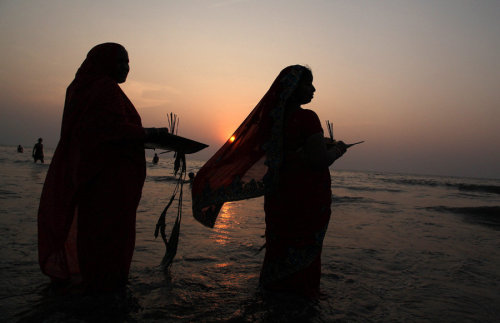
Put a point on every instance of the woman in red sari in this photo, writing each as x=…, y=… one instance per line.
x=86, y=218
x=279, y=151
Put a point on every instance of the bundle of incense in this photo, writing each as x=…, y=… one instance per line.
x=173, y=123
x=329, y=126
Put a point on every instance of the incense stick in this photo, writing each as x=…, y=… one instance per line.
x=356, y=143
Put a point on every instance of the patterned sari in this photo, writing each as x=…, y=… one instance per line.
x=263, y=160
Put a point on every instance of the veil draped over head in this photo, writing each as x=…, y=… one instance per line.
x=247, y=166
x=98, y=66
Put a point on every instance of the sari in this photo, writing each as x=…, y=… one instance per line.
x=263, y=160
x=87, y=212
x=297, y=215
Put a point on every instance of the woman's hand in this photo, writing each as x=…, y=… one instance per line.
x=337, y=147
x=321, y=152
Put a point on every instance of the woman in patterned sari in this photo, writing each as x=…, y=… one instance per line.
x=279, y=151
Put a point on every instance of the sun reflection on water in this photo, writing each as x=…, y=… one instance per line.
x=222, y=265
x=225, y=224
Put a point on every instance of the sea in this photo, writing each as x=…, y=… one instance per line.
x=399, y=248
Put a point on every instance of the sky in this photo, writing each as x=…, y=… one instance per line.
x=417, y=80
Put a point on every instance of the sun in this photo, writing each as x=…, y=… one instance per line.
x=232, y=139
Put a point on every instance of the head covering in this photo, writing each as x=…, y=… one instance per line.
x=100, y=60
x=248, y=166
x=97, y=67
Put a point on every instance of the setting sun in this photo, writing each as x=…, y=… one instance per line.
x=232, y=139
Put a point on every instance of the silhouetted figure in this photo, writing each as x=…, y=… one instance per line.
x=279, y=151
x=191, y=178
x=156, y=159
x=37, y=152
x=87, y=213
x=20, y=149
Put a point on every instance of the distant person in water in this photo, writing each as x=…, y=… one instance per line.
x=156, y=159
x=87, y=213
x=279, y=151
x=37, y=152
x=20, y=149
x=191, y=178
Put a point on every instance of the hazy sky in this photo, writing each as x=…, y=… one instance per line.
x=418, y=80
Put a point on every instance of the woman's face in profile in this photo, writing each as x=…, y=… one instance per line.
x=122, y=68
x=305, y=90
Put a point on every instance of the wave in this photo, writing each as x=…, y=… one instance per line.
x=367, y=188
x=356, y=200
x=487, y=215
x=485, y=188
x=476, y=188
x=412, y=181
x=482, y=210
x=349, y=199
x=166, y=178
x=5, y=194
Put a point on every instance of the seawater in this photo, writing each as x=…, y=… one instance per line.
x=399, y=248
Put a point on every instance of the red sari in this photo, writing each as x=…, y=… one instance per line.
x=262, y=160
x=86, y=218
